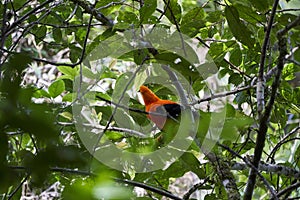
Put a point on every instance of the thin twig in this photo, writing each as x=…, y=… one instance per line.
x=167, y=3
x=282, y=141
x=268, y=186
x=231, y=65
x=223, y=94
x=288, y=189
x=25, y=31
x=119, y=101
x=195, y=187
x=178, y=85
x=3, y=28
x=156, y=190
x=288, y=10
x=11, y=195
x=260, y=80
x=24, y=17
x=118, y=129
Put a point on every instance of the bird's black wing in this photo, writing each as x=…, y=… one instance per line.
x=170, y=110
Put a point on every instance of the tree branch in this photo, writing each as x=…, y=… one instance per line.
x=263, y=122
x=11, y=195
x=288, y=189
x=156, y=190
x=283, y=141
x=93, y=11
x=261, y=81
x=252, y=167
x=223, y=94
x=24, y=17
x=3, y=30
x=187, y=195
x=270, y=168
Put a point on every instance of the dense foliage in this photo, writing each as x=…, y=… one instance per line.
x=70, y=73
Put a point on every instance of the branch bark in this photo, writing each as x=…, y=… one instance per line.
x=270, y=168
x=93, y=11
x=261, y=81
x=263, y=122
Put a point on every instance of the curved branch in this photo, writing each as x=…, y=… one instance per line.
x=283, y=141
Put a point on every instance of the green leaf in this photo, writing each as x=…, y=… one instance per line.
x=279, y=115
x=106, y=112
x=56, y=88
x=237, y=27
x=103, y=96
x=75, y=53
x=80, y=35
x=66, y=70
x=184, y=67
x=78, y=13
x=235, y=79
x=67, y=115
x=147, y=10
x=187, y=162
x=192, y=21
x=297, y=55
x=114, y=136
x=8, y=41
x=214, y=16
x=42, y=93
x=236, y=56
x=121, y=82
x=193, y=164
x=79, y=189
x=286, y=18
x=260, y=5
x=297, y=155
x=87, y=72
x=204, y=123
x=173, y=11
x=210, y=197
x=19, y=4
x=57, y=34
x=176, y=169
x=217, y=51
x=126, y=19
x=40, y=33
x=140, y=56
x=249, y=15
x=230, y=111
x=68, y=97
x=241, y=97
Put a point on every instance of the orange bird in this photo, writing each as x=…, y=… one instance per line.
x=159, y=110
